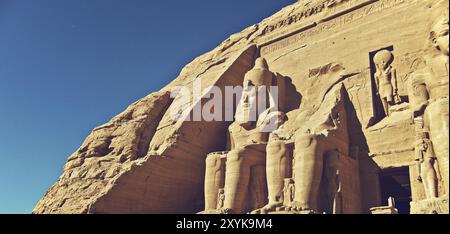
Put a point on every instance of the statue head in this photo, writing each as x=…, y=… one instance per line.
x=255, y=87
x=258, y=76
x=383, y=59
x=261, y=63
x=221, y=191
x=288, y=181
x=439, y=34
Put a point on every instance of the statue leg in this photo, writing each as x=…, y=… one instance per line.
x=436, y=120
x=337, y=206
x=429, y=178
x=308, y=172
x=385, y=106
x=258, y=187
x=237, y=181
x=214, y=179
x=278, y=169
x=237, y=177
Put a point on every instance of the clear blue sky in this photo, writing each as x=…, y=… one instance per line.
x=67, y=66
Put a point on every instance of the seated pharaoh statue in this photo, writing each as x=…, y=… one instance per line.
x=319, y=137
x=315, y=146
x=230, y=173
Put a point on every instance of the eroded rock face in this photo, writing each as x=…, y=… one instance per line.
x=108, y=152
x=362, y=118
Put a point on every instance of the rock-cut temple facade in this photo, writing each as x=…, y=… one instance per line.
x=360, y=124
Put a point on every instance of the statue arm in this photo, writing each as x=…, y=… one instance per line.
x=394, y=81
x=419, y=152
x=419, y=160
x=377, y=85
x=231, y=140
x=419, y=170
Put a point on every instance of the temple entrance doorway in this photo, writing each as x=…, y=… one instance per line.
x=395, y=183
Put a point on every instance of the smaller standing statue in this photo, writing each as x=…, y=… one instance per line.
x=288, y=192
x=220, y=199
x=386, y=80
x=425, y=159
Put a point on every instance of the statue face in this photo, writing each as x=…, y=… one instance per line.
x=440, y=36
x=249, y=96
x=382, y=65
x=383, y=59
x=255, y=87
x=423, y=147
x=250, y=100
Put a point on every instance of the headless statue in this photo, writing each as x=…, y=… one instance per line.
x=308, y=160
x=311, y=147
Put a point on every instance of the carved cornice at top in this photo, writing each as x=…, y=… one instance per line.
x=347, y=12
x=307, y=16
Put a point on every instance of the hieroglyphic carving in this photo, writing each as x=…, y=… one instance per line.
x=323, y=10
x=300, y=36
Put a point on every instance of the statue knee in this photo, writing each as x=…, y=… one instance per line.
x=305, y=140
x=275, y=147
x=233, y=156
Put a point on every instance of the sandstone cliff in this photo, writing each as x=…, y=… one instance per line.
x=117, y=169
x=144, y=162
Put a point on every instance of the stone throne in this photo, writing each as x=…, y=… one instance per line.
x=235, y=180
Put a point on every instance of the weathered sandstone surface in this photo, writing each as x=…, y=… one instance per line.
x=362, y=117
